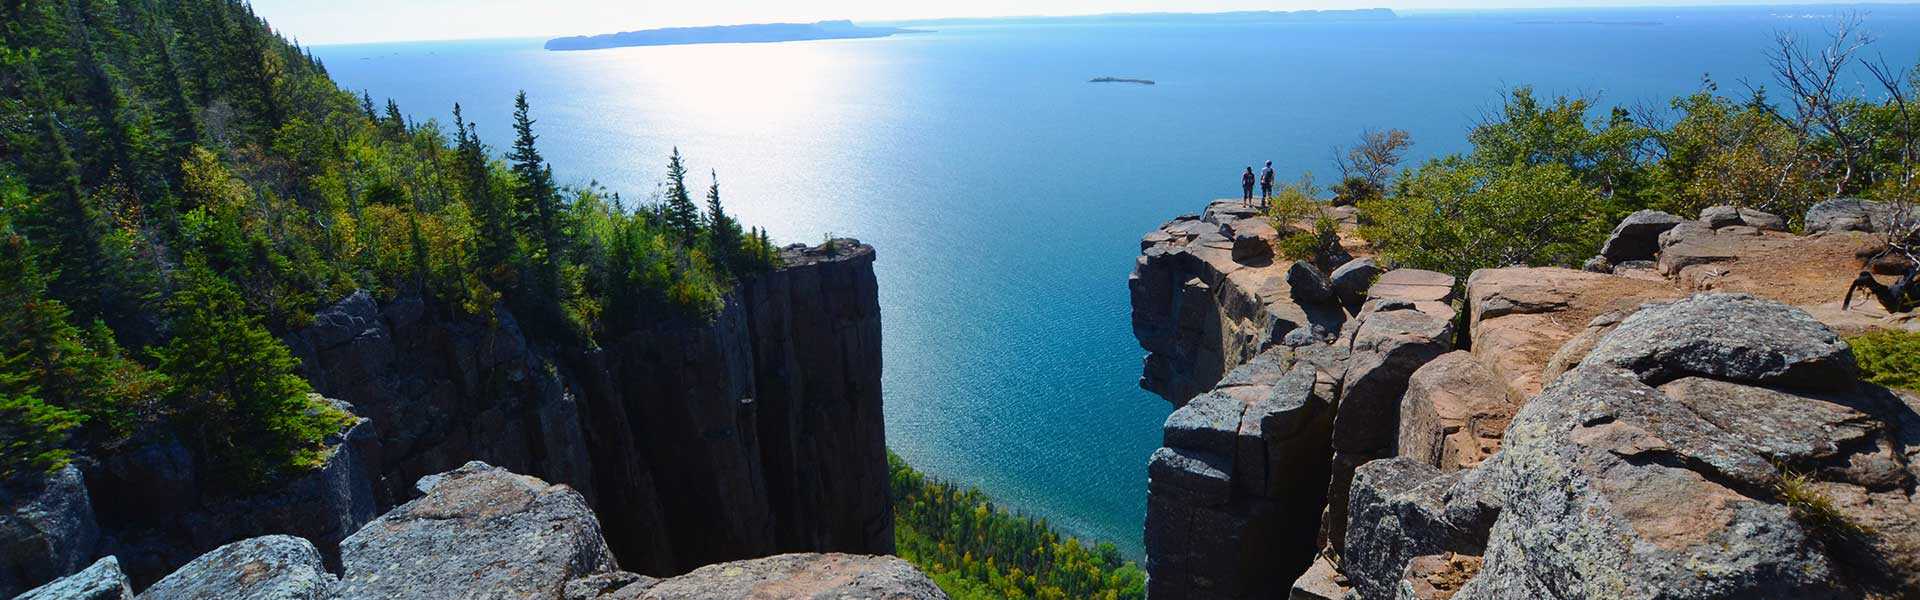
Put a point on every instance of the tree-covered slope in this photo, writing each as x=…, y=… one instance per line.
x=181, y=185
x=976, y=550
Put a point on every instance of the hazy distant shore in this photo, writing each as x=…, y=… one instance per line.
x=725, y=34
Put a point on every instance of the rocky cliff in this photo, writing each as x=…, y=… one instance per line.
x=481, y=531
x=753, y=434
x=1628, y=431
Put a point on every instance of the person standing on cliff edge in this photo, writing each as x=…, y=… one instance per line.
x=1266, y=184
x=1246, y=187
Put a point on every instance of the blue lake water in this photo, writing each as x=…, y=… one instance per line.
x=1006, y=194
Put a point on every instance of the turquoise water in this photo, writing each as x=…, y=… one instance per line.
x=1006, y=194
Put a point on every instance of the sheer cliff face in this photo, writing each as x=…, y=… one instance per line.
x=697, y=442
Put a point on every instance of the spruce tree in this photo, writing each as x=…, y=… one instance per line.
x=723, y=234
x=395, y=124
x=493, y=216
x=538, y=211
x=681, y=215
x=233, y=387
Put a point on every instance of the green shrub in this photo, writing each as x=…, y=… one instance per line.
x=1455, y=216
x=1318, y=247
x=1293, y=203
x=1889, y=357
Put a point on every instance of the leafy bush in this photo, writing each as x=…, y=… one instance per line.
x=1725, y=153
x=1319, y=246
x=1294, y=202
x=1454, y=216
x=1889, y=357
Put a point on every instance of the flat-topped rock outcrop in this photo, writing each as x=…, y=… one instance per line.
x=1277, y=433
x=1208, y=294
x=484, y=532
x=1680, y=419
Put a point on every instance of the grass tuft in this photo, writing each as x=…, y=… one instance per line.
x=1814, y=509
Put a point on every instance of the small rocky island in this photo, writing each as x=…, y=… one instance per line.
x=725, y=34
x=1120, y=80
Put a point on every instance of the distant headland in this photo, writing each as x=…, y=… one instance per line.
x=1247, y=16
x=726, y=34
x=1120, y=80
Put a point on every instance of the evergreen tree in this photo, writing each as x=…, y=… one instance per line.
x=233, y=384
x=54, y=377
x=682, y=217
x=494, y=244
x=395, y=124
x=723, y=234
x=539, y=210
x=366, y=105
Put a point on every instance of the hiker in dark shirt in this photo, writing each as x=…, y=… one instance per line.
x=1266, y=184
x=1246, y=187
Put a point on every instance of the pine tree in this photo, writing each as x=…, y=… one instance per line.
x=681, y=215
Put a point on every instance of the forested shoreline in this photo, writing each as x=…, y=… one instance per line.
x=975, y=549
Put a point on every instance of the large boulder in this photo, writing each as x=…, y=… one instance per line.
x=1733, y=456
x=1719, y=217
x=1309, y=285
x=1252, y=238
x=1352, y=280
x=1851, y=214
x=478, y=528
x=1453, y=413
x=800, y=576
x=275, y=567
x=101, y=581
x=1728, y=336
x=1615, y=491
x=1409, y=509
x=1638, y=236
x=47, y=529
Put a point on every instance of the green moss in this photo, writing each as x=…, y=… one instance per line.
x=1889, y=358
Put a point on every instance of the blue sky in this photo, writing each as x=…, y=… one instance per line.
x=352, y=21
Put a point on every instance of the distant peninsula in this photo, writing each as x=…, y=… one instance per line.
x=1120, y=80
x=726, y=34
x=1235, y=17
